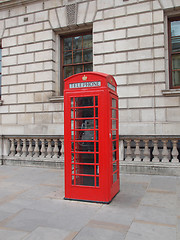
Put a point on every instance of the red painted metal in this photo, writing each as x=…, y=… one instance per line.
x=91, y=137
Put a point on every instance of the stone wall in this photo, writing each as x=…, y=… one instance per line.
x=129, y=42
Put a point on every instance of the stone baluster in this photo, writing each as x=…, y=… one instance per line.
x=18, y=149
x=49, y=149
x=56, y=149
x=165, y=152
x=43, y=149
x=36, y=148
x=12, y=148
x=24, y=148
x=62, y=150
x=175, y=152
x=30, y=148
x=155, y=152
x=137, y=151
x=146, y=152
x=128, y=151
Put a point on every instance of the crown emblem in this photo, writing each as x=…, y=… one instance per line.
x=84, y=78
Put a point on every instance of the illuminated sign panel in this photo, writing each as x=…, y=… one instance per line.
x=85, y=84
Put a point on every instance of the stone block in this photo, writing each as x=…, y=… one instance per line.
x=9, y=119
x=54, y=19
x=17, y=11
x=17, y=108
x=106, y=68
x=4, y=90
x=146, y=90
x=25, y=98
x=27, y=118
x=139, y=8
x=31, y=8
x=17, y=31
x=97, y=37
x=158, y=16
x=159, y=53
x=121, y=2
x=25, y=58
x=17, y=89
x=167, y=101
x=27, y=38
x=34, y=47
x=160, y=115
x=41, y=16
x=5, y=71
x=158, y=88
x=35, y=87
x=53, y=107
x=126, y=44
x=26, y=19
x=4, y=109
x=91, y=11
x=49, y=65
x=123, y=103
x=127, y=68
x=34, y=67
x=9, y=80
x=17, y=69
x=17, y=50
x=9, y=99
x=44, y=36
x=62, y=16
x=114, y=57
x=145, y=18
x=49, y=45
x=42, y=96
x=34, y=107
x=26, y=78
x=139, y=31
x=102, y=4
x=52, y=4
x=114, y=12
x=140, y=102
x=176, y=3
x=147, y=66
x=43, y=118
x=146, y=42
x=58, y=117
x=160, y=77
x=44, y=56
x=113, y=35
x=4, y=14
x=173, y=114
x=11, y=22
x=128, y=91
x=140, y=54
x=158, y=28
x=81, y=15
x=166, y=4
x=99, y=16
x=98, y=59
x=147, y=115
x=9, y=61
x=159, y=65
x=9, y=42
x=127, y=21
x=34, y=27
x=43, y=76
x=132, y=115
x=159, y=40
x=105, y=47
x=105, y=25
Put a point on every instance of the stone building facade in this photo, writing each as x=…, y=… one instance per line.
x=130, y=42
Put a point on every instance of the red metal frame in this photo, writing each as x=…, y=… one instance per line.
x=91, y=137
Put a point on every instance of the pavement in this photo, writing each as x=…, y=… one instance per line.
x=32, y=208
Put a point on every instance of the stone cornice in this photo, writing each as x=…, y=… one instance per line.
x=12, y=3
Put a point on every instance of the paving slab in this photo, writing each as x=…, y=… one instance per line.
x=32, y=207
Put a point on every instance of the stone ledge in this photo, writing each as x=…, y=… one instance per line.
x=10, y=3
x=171, y=92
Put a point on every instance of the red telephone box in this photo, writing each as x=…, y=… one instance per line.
x=91, y=137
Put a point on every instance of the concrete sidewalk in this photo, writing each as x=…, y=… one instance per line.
x=32, y=208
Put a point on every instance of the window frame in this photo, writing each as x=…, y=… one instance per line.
x=170, y=52
x=62, y=37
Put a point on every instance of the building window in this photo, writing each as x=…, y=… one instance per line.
x=174, y=52
x=0, y=66
x=77, y=55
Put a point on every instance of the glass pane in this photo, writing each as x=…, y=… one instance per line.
x=97, y=158
x=84, y=101
x=87, y=55
x=96, y=124
x=72, y=167
x=84, y=146
x=113, y=124
x=68, y=71
x=72, y=179
x=84, y=113
x=96, y=101
x=67, y=44
x=84, y=135
x=114, y=134
x=77, y=42
x=72, y=113
x=114, y=166
x=72, y=124
x=114, y=145
x=72, y=146
x=97, y=170
x=176, y=78
x=85, y=180
x=88, y=67
x=87, y=41
x=72, y=102
x=114, y=177
x=175, y=36
x=113, y=103
x=72, y=135
x=72, y=157
x=176, y=62
x=114, y=156
x=85, y=169
x=78, y=69
x=113, y=113
x=96, y=111
x=67, y=58
x=97, y=137
x=84, y=124
x=97, y=147
x=77, y=56
x=84, y=157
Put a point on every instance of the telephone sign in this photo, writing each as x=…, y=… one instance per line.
x=91, y=138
